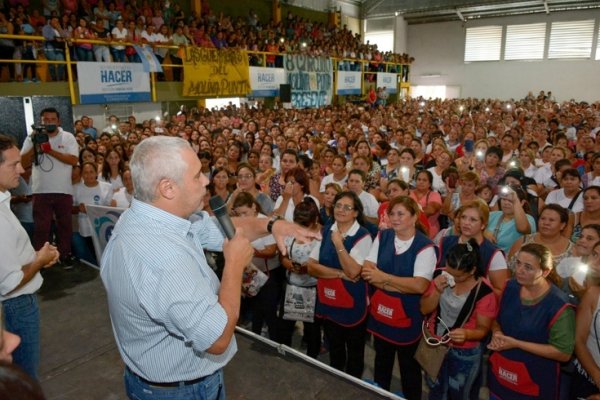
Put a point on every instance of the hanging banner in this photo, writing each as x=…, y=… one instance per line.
x=265, y=81
x=215, y=72
x=348, y=82
x=311, y=80
x=148, y=58
x=388, y=80
x=101, y=83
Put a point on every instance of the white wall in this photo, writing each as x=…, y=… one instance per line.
x=439, y=48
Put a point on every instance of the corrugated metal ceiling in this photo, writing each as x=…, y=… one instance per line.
x=424, y=11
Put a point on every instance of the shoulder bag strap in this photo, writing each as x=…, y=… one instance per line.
x=465, y=313
x=572, y=203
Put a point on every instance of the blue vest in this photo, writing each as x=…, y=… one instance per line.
x=396, y=317
x=518, y=374
x=338, y=300
x=487, y=250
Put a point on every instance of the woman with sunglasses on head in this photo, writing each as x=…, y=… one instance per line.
x=399, y=268
x=534, y=331
x=341, y=293
x=460, y=288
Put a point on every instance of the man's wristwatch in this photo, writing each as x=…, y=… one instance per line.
x=274, y=219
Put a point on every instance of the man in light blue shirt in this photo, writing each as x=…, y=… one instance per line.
x=173, y=320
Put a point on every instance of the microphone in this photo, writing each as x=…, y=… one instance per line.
x=220, y=209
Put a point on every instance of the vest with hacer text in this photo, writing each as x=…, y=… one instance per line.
x=395, y=317
x=516, y=373
x=338, y=300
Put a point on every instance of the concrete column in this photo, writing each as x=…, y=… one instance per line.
x=276, y=11
x=400, y=35
x=196, y=6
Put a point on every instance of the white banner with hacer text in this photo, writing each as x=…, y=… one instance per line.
x=101, y=83
x=348, y=82
x=265, y=81
x=388, y=80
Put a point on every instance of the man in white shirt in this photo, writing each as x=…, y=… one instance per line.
x=19, y=266
x=356, y=184
x=53, y=157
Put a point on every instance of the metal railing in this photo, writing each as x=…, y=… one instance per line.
x=366, y=67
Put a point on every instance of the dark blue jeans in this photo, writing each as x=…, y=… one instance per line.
x=212, y=387
x=457, y=375
x=22, y=317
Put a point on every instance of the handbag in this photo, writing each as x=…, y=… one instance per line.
x=432, y=357
x=299, y=303
x=252, y=280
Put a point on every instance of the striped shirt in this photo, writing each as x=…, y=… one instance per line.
x=163, y=296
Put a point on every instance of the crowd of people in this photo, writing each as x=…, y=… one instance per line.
x=441, y=220
x=165, y=23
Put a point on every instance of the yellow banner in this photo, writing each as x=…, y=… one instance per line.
x=212, y=73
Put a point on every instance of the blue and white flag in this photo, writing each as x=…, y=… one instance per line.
x=149, y=60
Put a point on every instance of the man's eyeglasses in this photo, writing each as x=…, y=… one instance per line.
x=433, y=340
x=345, y=207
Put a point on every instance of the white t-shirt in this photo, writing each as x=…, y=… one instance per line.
x=424, y=263
x=370, y=204
x=359, y=251
x=119, y=35
x=330, y=179
x=122, y=198
x=558, y=197
x=52, y=175
x=99, y=195
x=260, y=244
x=289, y=211
x=530, y=171
x=543, y=174
x=438, y=183
x=115, y=183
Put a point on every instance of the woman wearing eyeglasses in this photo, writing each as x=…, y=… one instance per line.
x=341, y=293
x=246, y=182
x=462, y=306
x=399, y=268
x=534, y=331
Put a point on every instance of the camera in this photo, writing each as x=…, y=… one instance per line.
x=39, y=135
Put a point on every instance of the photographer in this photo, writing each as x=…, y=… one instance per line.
x=53, y=153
